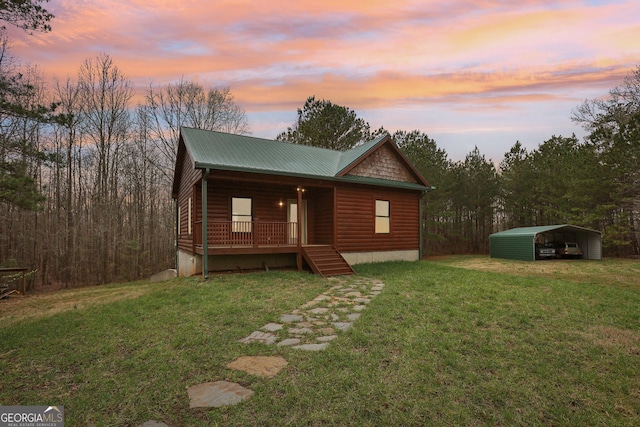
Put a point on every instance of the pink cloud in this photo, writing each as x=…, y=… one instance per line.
x=392, y=89
x=377, y=55
x=337, y=36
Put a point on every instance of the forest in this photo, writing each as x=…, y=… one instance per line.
x=86, y=166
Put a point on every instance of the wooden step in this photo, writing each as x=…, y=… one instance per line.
x=326, y=261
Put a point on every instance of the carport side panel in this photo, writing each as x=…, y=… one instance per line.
x=512, y=247
x=593, y=248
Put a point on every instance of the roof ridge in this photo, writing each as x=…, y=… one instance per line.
x=257, y=138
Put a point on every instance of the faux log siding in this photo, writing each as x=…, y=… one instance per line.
x=189, y=178
x=264, y=201
x=355, y=211
x=356, y=220
x=323, y=216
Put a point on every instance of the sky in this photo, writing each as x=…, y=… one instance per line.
x=468, y=73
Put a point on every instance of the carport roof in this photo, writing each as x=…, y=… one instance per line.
x=532, y=231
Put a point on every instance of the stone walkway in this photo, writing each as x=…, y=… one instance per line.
x=310, y=327
x=314, y=324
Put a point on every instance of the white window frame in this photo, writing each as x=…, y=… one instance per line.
x=383, y=216
x=179, y=220
x=241, y=214
x=189, y=229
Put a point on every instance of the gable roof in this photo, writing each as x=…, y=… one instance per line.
x=533, y=231
x=230, y=152
x=350, y=157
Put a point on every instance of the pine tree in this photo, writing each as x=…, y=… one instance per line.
x=327, y=125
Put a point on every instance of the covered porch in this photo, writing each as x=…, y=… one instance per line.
x=232, y=237
x=264, y=223
x=269, y=249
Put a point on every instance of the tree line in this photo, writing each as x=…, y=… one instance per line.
x=593, y=183
x=86, y=172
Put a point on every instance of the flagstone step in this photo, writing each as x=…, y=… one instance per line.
x=330, y=313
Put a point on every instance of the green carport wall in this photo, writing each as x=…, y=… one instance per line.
x=519, y=243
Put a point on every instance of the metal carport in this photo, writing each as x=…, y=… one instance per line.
x=519, y=243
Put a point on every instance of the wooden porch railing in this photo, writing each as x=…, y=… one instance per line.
x=247, y=233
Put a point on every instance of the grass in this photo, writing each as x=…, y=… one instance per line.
x=452, y=341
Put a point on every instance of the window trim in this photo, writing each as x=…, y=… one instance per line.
x=179, y=220
x=189, y=225
x=382, y=223
x=239, y=218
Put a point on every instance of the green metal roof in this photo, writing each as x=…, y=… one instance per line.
x=532, y=231
x=220, y=150
x=224, y=151
x=526, y=231
x=381, y=182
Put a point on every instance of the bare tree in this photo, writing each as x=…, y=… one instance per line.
x=188, y=104
x=68, y=142
x=614, y=126
x=105, y=94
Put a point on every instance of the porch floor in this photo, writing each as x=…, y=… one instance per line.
x=250, y=249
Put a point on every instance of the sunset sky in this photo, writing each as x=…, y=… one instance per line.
x=468, y=73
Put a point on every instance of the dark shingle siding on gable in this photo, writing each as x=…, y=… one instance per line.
x=384, y=164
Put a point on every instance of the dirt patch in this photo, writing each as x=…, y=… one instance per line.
x=608, y=336
x=606, y=272
x=34, y=306
x=522, y=267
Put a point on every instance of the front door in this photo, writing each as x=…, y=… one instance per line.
x=292, y=217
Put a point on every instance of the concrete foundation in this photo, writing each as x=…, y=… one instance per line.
x=189, y=265
x=367, y=257
x=164, y=275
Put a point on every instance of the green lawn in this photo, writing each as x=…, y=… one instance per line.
x=453, y=341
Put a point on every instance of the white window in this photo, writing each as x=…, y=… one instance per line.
x=179, y=219
x=189, y=217
x=383, y=217
x=241, y=214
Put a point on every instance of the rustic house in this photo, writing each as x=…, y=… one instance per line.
x=245, y=203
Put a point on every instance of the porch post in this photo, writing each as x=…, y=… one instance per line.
x=299, y=225
x=205, y=242
x=421, y=224
x=176, y=229
x=254, y=234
